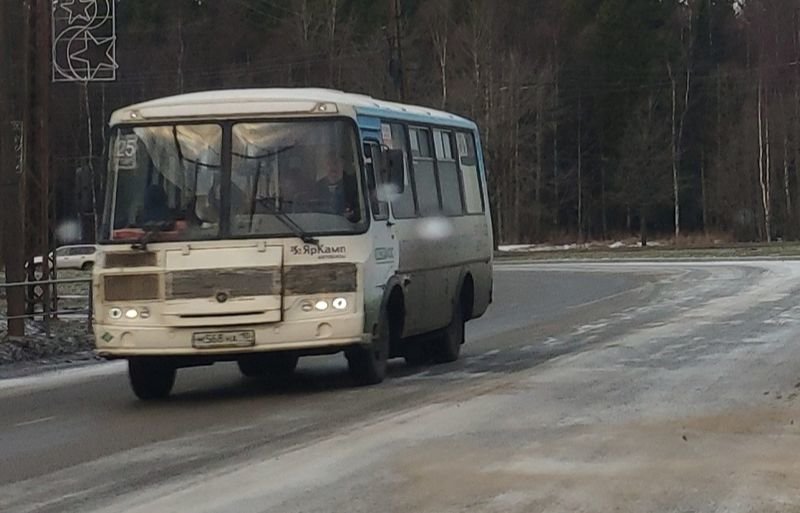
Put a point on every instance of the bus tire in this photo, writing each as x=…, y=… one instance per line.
x=447, y=346
x=277, y=365
x=150, y=378
x=367, y=364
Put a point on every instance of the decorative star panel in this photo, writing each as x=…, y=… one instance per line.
x=84, y=40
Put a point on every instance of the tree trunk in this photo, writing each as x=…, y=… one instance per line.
x=786, y=192
x=556, y=104
x=439, y=36
x=305, y=31
x=475, y=42
x=768, y=168
x=643, y=227
x=181, y=49
x=678, y=125
x=332, y=26
x=443, y=68
x=13, y=17
x=703, y=198
x=580, y=170
x=603, y=211
x=674, y=152
x=539, y=165
x=762, y=154
x=628, y=221
x=718, y=174
x=797, y=119
x=518, y=181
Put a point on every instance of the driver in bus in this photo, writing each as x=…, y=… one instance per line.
x=337, y=192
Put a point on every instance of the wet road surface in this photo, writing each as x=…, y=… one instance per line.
x=587, y=387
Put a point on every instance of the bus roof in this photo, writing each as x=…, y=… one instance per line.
x=243, y=102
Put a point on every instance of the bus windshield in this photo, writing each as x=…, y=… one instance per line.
x=284, y=177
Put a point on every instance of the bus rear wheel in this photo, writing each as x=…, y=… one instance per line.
x=261, y=365
x=151, y=379
x=447, y=346
x=367, y=364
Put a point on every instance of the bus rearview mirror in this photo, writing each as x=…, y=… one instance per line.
x=395, y=165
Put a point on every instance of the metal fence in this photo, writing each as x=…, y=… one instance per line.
x=58, y=312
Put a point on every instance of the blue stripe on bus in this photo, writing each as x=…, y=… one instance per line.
x=369, y=113
x=370, y=127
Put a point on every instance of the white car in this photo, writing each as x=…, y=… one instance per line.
x=73, y=257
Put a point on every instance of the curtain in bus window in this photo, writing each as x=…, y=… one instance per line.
x=173, y=163
x=473, y=192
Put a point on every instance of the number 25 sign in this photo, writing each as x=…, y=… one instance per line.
x=125, y=151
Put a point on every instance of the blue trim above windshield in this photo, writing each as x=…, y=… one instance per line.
x=368, y=113
x=370, y=127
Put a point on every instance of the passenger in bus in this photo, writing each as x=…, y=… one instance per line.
x=337, y=192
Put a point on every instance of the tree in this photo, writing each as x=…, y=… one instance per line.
x=554, y=85
x=643, y=161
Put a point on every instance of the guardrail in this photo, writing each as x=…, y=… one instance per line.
x=47, y=316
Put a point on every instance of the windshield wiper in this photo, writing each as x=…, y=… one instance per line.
x=151, y=230
x=296, y=229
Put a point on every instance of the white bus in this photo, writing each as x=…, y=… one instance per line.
x=260, y=226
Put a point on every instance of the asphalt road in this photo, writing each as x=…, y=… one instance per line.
x=587, y=387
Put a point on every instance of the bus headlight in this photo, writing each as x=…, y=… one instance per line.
x=115, y=313
x=321, y=305
x=340, y=303
x=144, y=313
x=131, y=313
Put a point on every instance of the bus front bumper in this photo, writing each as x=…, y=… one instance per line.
x=319, y=336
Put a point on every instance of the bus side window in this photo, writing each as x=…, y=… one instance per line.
x=425, y=172
x=470, y=174
x=403, y=205
x=375, y=182
x=449, y=181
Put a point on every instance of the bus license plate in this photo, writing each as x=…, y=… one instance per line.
x=216, y=339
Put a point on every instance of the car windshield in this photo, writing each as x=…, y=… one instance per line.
x=285, y=177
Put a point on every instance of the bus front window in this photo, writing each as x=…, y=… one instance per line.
x=166, y=176
x=304, y=170
x=286, y=177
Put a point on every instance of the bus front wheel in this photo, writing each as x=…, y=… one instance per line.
x=150, y=378
x=367, y=364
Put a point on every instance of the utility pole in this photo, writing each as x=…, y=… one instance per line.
x=39, y=188
x=13, y=81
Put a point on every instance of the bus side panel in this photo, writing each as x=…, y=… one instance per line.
x=427, y=281
x=436, y=255
x=478, y=250
x=382, y=263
